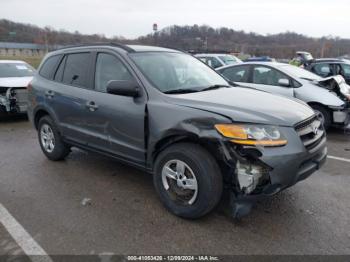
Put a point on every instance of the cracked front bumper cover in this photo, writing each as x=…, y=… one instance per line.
x=288, y=165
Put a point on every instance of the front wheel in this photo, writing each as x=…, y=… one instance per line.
x=188, y=180
x=50, y=140
x=324, y=115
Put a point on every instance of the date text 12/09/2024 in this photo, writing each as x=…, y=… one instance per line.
x=173, y=258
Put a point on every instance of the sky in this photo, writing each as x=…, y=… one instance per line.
x=132, y=18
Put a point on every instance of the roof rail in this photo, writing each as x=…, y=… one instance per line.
x=125, y=47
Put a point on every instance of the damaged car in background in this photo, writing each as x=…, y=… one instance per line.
x=174, y=117
x=329, y=97
x=14, y=78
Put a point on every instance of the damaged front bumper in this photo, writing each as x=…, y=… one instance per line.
x=261, y=172
x=341, y=115
x=14, y=100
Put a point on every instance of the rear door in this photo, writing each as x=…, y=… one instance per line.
x=69, y=94
x=267, y=79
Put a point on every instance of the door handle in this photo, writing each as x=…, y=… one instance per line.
x=49, y=94
x=91, y=105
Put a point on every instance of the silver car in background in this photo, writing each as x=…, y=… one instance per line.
x=329, y=97
x=218, y=60
x=15, y=76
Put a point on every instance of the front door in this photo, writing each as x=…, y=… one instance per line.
x=268, y=79
x=120, y=119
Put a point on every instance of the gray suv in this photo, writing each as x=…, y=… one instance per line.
x=167, y=113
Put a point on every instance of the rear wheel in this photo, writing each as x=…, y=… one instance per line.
x=50, y=140
x=323, y=114
x=188, y=180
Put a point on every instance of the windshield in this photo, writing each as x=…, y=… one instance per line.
x=15, y=70
x=176, y=71
x=300, y=72
x=230, y=59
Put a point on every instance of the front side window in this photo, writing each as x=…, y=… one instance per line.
x=267, y=76
x=16, y=70
x=322, y=70
x=236, y=73
x=176, y=71
x=108, y=68
x=77, y=69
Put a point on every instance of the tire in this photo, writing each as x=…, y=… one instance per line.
x=56, y=151
x=324, y=114
x=201, y=169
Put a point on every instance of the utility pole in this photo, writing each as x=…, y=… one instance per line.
x=155, y=33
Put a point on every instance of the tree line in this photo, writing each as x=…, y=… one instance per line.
x=196, y=38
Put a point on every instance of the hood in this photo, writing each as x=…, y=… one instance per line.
x=247, y=105
x=15, y=81
x=336, y=84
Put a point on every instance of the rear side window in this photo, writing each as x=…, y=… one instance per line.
x=49, y=67
x=76, y=71
x=237, y=73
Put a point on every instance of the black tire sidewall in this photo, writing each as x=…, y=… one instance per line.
x=60, y=150
x=326, y=115
x=203, y=169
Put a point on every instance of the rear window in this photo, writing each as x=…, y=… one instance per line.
x=49, y=66
x=15, y=70
x=76, y=69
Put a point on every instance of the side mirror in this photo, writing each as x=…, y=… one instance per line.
x=123, y=88
x=284, y=82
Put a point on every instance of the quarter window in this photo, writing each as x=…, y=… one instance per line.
x=108, y=68
x=49, y=66
x=77, y=69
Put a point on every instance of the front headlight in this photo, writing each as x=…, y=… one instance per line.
x=257, y=135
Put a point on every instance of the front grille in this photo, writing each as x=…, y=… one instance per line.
x=311, y=132
x=18, y=97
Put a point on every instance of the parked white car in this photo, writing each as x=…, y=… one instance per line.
x=218, y=60
x=14, y=78
x=329, y=97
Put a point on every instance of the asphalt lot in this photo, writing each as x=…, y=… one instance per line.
x=124, y=215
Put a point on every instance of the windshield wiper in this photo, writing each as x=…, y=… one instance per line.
x=180, y=91
x=214, y=87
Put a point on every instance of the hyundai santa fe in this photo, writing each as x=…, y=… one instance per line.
x=174, y=117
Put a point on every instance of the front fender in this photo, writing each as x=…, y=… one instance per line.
x=310, y=93
x=169, y=123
